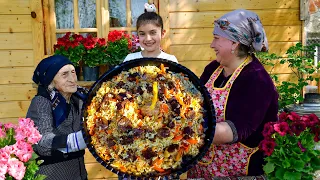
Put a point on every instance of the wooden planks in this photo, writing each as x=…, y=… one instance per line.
x=9, y=120
x=15, y=23
x=16, y=58
x=16, y=75
x=17, y=92
x=203, y=52
x=204, y=35
x=12, y=109
x=164, y=13
x=196, y=67
x=97, y=171
x=37, y=30
x=209, y=5
x=16, y=41
x=280, y=17
x=14, y=7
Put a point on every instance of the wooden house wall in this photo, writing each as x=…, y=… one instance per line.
x=21, y=41
x=189, y=25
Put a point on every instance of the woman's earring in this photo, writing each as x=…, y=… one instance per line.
x=232, y=51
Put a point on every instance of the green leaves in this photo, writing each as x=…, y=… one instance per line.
x=292, y=175
x=301, y=62
x=268, y=168
x=8, y=139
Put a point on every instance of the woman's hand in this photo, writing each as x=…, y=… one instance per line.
x=223, y=133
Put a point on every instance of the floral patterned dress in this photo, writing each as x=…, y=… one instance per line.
x=226, y=159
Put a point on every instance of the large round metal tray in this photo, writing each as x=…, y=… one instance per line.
x=209, y=116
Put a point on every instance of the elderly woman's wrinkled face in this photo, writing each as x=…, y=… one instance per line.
x=223, y=47
x=65, y=80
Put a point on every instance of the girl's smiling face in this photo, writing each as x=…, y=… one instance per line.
x=150, y=37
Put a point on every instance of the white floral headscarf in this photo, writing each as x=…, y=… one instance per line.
x=242, y=26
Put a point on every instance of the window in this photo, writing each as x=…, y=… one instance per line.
x=95, y=17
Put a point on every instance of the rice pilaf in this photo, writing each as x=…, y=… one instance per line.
x=146, y=120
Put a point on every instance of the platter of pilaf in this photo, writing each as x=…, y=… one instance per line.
x=148, y=118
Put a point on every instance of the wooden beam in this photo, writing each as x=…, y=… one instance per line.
x=52, y=24
x=99, y=18
x=61, y=31
x=106, y=18
x=47, y=28
x=76, y=15
x=128, y=29
x=164, y=13
x=37, y=30
x=128, y=12
x=228, y=5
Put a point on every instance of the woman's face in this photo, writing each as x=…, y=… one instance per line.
x=223, y=47
x=150, y=37
x=65, y=80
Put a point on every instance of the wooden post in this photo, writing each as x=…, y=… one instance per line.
x=129, y=15
x=46, y=20
x=99, y=18
x=52, y=23
x=76, y=16
x=164, y=13
x=105, y=18
x=37, y=30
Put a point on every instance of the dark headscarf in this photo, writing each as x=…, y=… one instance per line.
x=43, y=76
x=48, y=68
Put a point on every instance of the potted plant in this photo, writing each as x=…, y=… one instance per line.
x=17, y=158
x=71, y=47
x=94, y=56
x=291, y=147
x=120, y=44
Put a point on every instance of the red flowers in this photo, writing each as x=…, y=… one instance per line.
x=289, y=124
x=120, y=44
x=282, y=128
x=267, y=146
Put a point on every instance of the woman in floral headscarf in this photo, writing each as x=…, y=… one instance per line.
x=243, y=95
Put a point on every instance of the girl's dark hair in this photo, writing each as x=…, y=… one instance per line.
x=243, y=51
x=150, y=17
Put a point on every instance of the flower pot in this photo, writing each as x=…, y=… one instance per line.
x=90, y=73
x=78, y=71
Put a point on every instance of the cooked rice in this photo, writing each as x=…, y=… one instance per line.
x=116, y=116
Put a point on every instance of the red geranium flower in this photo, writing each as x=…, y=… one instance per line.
x=298, y=127
x=267, y=146
x=282, y=128
x=314, y=120
x=268, y=129
x=283, y=116
x=293, y=116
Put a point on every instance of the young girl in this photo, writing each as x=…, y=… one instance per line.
x=150, y=33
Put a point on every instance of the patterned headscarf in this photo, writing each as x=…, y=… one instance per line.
x=242, y=26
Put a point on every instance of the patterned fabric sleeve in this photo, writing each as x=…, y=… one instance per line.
x=40, y=112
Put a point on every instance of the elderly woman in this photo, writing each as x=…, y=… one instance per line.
x=243, y=95
x=56, y=111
